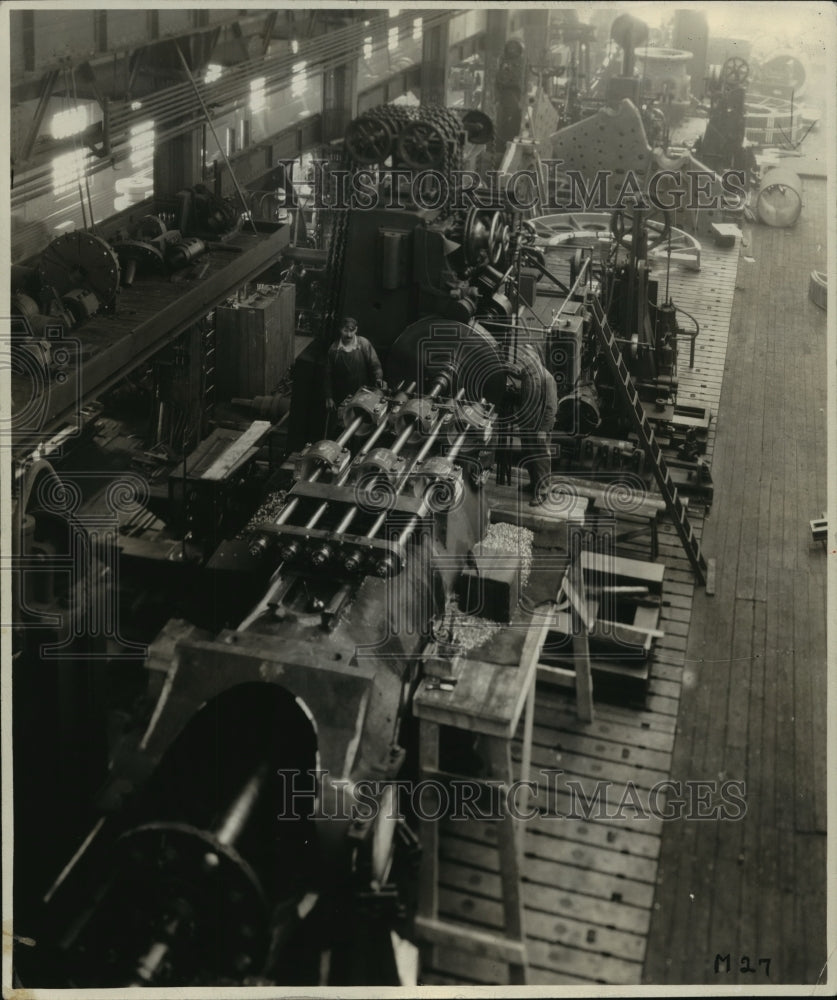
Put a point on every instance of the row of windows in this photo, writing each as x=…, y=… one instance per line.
x=68, y=168
x=389, y=72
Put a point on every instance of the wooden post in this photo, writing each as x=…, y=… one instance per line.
x=428, y=887
x=579, y=617
x=509, y=841
x=526, y=758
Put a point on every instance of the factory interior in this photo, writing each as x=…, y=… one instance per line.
x=415, y=488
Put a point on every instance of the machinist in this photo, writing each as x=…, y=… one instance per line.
x=351, y=363
x=536, y=412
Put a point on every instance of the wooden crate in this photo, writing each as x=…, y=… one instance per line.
x=255, y=343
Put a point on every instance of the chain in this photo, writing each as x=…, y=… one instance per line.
x=335, y=265
x=396, y=118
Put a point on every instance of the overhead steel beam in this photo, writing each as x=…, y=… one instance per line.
x=47, y=87
x=267, y=33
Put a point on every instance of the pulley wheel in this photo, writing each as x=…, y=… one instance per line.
x=163, y=862
x=368, y=140
x=421, y=146
x=735, y=72
x=434, y=345
x=80, y=260
x=624, y=235
x=150, y=227
x=499, y=239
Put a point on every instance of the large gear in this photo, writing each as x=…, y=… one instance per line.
x=81, y=260
x=735, y=73
x=424, y=138
x=368, y=140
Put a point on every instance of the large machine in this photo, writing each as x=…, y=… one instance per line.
x=189, y=876
x=289, y=589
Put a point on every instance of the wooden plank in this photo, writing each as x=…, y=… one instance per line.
x=468, y=969
x=580, y=765
x=628, y=839
x=657, y=686
x=602, y=748
x=455, y=967
x=555, y=899
x=626, y=730
x=598, y=968
x=471, y=940
x=772, y=451
x=646, y=726
x=662, y=705
x=667, y=671
x=620, y=888
x=541, y=842
x=686, y=883
x=567, y=931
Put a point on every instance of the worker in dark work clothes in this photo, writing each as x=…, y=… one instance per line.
x=536, y=414
x=351, y=363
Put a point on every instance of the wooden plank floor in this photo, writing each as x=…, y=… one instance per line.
x=737, y=689
x=753, y=698
x=590, y=884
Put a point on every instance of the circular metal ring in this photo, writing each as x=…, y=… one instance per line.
x=368, y=140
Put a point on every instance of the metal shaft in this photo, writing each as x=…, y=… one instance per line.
x=399, y=443
x=414, y=520
x=422, y=454
x=234, y=820
x=315, y=475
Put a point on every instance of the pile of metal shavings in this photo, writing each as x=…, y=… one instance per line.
x=515, y=540
x=466, y=632
x=270, y=507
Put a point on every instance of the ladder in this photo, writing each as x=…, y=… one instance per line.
x=630, y=397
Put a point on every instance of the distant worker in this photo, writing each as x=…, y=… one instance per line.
x=536, y=414
x=351, y=364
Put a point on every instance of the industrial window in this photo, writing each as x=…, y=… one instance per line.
x=392, y=38
x=417, y=23
x=213, y=73
x=298, y=79
x=258, y=99
x=367, y=47
x=67, y=171
x=142, y=144
x=69, y=122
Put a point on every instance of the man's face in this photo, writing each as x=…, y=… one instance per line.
x=347, y=335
